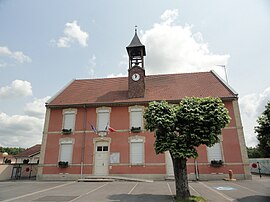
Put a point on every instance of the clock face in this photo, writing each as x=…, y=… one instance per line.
x=135, y=77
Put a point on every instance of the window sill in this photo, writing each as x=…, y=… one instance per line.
x=139, y=164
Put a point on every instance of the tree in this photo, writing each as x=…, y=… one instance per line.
x=11, y=150
x=263, y=131
x=254, y=152
x=180, y=129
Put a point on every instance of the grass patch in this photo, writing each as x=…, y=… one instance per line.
x=192, y=199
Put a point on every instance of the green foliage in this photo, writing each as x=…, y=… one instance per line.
x=11, y=150
x=192, y=199
x=161, y=118
x=263, y=131
x=254, y=152
x=181, y=128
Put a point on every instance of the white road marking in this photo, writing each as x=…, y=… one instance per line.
x=197, y=193
x=217, y=192
x=170, y=190
x=133, y=188
x=249, y=189
x=37, y=192
x=91, y=191
x=97, y=188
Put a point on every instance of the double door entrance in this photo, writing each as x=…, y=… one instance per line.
x=101, y=158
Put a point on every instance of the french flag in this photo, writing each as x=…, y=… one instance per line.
x=93, y=128
x=109, y=128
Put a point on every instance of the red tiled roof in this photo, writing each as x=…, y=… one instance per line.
x=170, y=87
x=30, y=151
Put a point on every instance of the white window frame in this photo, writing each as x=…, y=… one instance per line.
x=66, y=141
x=135, y=109
x=66, y=112
x=100, y=110
x=136, y=140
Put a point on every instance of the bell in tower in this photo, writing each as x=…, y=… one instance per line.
x=136, y=71
x=136, y=52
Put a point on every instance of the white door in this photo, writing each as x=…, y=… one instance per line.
x=101, y=158
x=169, y=164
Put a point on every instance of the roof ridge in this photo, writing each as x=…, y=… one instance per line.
x=82, y=79
x=180, y=73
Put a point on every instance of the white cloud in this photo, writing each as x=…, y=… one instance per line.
x=123, y=64
x=18, y=56
x=72, y=33
x=91, y=66
x=23, y=130
x=252, y=106
x=18, y=88
x=173, y=48
x=20, y=130
x=169, y=16
x=36, y=108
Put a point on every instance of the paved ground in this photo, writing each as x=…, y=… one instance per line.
x=161, y=191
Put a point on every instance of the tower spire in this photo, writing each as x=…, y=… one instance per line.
x=136, y=51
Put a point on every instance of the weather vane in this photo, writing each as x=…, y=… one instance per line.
x=136, y=28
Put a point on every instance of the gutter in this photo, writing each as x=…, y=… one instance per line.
x=83, y=142
x=109, y=104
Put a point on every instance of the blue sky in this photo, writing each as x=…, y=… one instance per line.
x=46, y=44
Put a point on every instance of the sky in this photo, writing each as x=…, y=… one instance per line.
x=44, y=45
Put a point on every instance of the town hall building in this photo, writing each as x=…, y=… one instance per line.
x=95, y=127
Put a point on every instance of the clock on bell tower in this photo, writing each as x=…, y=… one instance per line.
x=136, y=73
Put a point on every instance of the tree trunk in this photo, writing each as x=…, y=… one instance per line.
x=181, y=180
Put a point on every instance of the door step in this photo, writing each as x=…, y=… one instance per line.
x=111, y=179
x=96, y=180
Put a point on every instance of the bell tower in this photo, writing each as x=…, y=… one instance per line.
x=136, y=73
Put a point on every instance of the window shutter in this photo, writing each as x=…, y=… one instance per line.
x=214, y=152
x=66, y=152
x=136, y=152
x=136, y=119
x=69, y=120
x=103, y=120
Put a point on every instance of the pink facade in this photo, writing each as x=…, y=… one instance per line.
x=154, y=166
x=76, y=142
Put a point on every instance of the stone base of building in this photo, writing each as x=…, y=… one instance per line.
x=191, y=177
x=72, y=177
x=218, y=176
